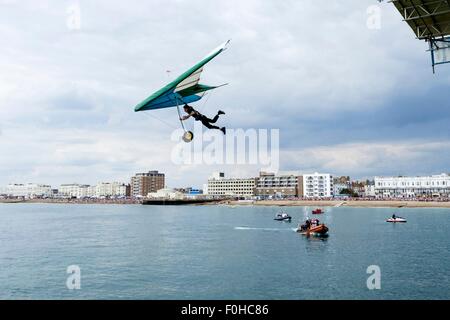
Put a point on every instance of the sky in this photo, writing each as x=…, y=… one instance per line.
x=349, y=97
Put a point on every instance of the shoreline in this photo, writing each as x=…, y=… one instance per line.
x=277, y=203
x=347, y=203
x=67, y=201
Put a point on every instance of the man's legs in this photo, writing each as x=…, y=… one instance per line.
x=214, y=120
x=207, y=123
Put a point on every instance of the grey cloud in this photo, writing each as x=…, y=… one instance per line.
x=318, y=74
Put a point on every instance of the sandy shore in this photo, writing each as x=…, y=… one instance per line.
x=349, y=203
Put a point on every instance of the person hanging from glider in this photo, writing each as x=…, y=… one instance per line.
x=184, y=90
x=207, y=122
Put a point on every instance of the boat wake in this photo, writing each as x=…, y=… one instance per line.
x=261, y=229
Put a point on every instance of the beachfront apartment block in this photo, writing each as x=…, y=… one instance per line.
x=144, y=183
x=413, y=187
x=218, y=185
x=75, y=190
x=270, y=185
x=103, y=189
x=369, y=191
x=107, y=189
x=29, y=190
x=318, y=185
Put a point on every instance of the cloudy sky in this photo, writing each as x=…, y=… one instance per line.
x=348, y=99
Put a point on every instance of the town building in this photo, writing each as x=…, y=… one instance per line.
x=85, y=191
x=74, y=190
x=341, y=185
x=218, y=185
x=144, y=183
x=343, y=179
x=317, y=185
x=269, y=185
x=29, y=190
x=103, y=189
x=413, y=187
x=369, y=190
x=107, y=189
x=358, y=188
x=340, y=188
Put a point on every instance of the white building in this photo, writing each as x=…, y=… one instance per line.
x=205, y=189
x=369, y=191
x=412, y=187
x=73, y=190
x=317, y=185
x=29, y=190
x=104, y=189
x=114, y=189
x=86, y=191
x=218, y=185
x=166, y=193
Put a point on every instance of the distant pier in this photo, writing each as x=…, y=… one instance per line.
x=178, y=202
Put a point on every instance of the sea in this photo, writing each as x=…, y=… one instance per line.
x=58, y=251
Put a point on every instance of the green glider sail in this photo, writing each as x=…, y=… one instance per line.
x=183, y=90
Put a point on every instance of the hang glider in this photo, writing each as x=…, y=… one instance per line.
x=185, y=89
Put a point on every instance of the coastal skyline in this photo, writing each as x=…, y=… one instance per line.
x=214, y=175
x=362, y=102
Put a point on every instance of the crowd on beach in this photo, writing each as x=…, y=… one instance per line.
x=123, y=200
x=341, y=199
x=132, y=200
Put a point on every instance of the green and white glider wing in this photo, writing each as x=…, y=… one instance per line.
x=184, y=89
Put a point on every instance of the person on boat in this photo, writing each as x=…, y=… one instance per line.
x=394, y=216
x=307, y=224
x=207, y=122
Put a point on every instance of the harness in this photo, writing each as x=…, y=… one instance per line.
x=197, y=116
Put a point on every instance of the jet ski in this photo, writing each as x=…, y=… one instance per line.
x=283, y=217
x=396, y=220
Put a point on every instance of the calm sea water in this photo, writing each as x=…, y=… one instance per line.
x=219, y=252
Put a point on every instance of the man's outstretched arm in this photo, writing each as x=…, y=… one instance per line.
x=185, y=117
